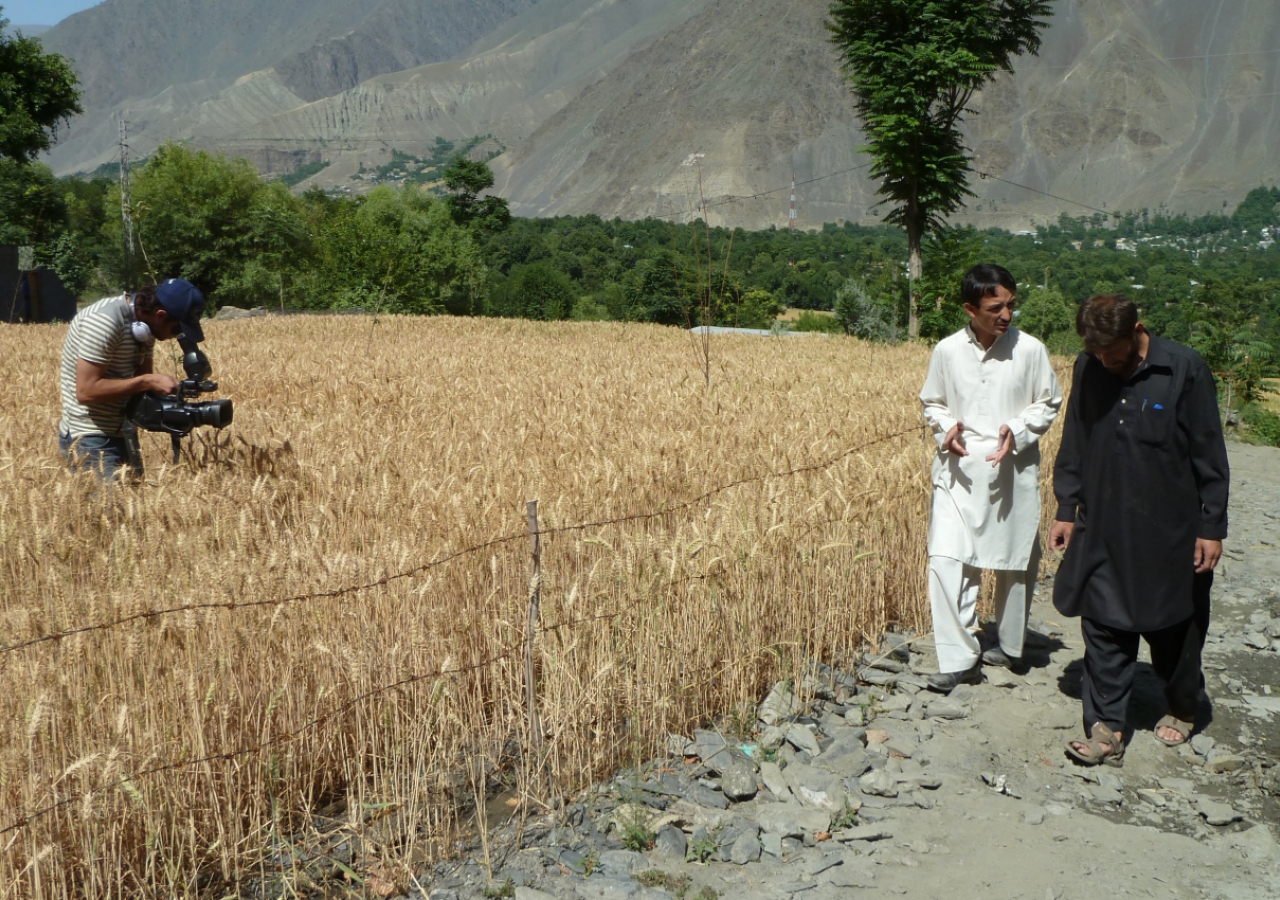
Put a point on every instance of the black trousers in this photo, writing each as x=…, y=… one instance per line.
x=1110, y=656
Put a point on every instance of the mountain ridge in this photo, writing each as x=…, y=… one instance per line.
x=652, y=106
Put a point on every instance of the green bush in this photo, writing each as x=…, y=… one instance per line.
x=1263, y=424
x=811, y=321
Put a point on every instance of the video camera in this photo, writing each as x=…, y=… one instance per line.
x=176, y=415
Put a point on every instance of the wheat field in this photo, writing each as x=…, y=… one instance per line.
x=188, y=752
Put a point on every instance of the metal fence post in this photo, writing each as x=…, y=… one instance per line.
x=535, y=598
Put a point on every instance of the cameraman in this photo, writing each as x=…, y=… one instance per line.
x=107, y=358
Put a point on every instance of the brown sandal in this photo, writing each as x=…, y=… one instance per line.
x=1101, y=739
x=1178, y=725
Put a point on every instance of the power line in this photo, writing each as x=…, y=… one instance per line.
x=1027, y=187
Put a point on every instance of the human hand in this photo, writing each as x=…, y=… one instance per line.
x=1003, y=448
x=954, y=440
x=1060, y=535
x=161, y=383
x=1207, y=555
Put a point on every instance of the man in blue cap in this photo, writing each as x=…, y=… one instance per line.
x=107, y=359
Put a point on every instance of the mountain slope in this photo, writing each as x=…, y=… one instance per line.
x=642, y=107
x=130, y=52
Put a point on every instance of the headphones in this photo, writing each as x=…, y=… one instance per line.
x=141, y=330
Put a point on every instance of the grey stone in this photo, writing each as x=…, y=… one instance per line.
x=815, y=788
x=780, y=703
x=528, y=893
x=802, y=738
x=572, y=860
x=817, y=864
x=774, y=780
x=878, y=783
x=1202, y=744
x=858, y=715
x=1034, y=816
x=1155, y=798
x=746, y=849
x=1184, y=786
x=712, y=749
x=772, y=737
x=1257, y=641
x=738, y=781
x=772, y=844
x=1000, y=678
x=1106, y=795
x=622, y=862
x=856, y=873
x=847, y=758
x=671, y=841
x=1216, y=813
x=679, y=745
x=1110, y=780
x=603, y=887
x=1220, y=760
x=704, y=796
x=863, y=833
x=945, y=708
x=790, y=820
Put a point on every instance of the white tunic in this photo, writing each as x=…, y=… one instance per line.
x=983, y=516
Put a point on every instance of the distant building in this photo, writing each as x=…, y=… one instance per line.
x=32, y=295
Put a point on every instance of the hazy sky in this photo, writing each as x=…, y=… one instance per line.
x=42, y=12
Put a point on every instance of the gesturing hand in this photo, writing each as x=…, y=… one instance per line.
x=1004, y=448
x=954, y=441
x=1060, y=535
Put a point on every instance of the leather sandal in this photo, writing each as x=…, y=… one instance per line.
x=1098, y=741
x=1178, y=725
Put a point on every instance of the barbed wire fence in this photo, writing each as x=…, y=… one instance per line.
x=520, y=649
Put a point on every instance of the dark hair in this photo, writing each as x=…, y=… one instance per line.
x=982, y=281
x=145, y=302
x=1104, y=319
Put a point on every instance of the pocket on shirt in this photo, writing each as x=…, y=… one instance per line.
x=1155, y=424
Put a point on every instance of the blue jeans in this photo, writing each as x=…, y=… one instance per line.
x=105, y=455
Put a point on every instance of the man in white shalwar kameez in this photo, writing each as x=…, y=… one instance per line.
x=990, y=394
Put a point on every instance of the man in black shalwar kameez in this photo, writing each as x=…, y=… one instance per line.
x=1141, y=482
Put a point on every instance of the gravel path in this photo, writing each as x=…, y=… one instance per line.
x=880, y=787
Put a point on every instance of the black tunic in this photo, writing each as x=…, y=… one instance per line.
x=1142, y=472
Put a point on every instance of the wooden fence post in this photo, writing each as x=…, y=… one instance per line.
x=535, y=598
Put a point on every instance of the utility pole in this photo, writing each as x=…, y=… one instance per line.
x=126, y=205
x=791, y=216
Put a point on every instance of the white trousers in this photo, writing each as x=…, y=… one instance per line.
x=953, y=596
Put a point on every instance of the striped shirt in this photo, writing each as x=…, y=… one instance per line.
x=100, y=334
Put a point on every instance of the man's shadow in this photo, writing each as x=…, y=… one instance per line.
x=1147, y=704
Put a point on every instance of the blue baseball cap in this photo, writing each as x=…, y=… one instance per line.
x=184, y=302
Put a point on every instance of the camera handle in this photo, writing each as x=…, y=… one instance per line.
x=176, y=441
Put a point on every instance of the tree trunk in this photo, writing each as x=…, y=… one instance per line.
x=914, y=272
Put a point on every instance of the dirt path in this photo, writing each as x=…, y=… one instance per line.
x=971, y=799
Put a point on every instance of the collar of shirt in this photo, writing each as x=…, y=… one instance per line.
x=1157, y=358
x=977, y=344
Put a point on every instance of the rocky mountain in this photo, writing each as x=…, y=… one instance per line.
x=642, y=107
x=156, y=59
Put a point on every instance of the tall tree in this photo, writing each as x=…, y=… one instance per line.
x=37, y=92
x=913, y=65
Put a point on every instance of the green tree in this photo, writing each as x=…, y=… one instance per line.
x=31, y=206
x=466, y=179
x=865, y=315
x=536, y=291
x=950, y=252
x=396, y=251
x=1046, y=314
x=913, y=66
x=193, y=215
x=37, y=92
